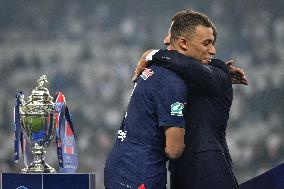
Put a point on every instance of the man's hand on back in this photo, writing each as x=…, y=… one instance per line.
x=237, y=74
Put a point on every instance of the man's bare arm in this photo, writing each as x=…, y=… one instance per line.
x=174, y=142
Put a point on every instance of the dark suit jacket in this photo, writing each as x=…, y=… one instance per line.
x=207, y=112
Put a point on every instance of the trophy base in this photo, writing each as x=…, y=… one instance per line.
x=39, y=168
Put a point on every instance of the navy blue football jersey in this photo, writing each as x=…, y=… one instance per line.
x=138, y=155
x=206, y=152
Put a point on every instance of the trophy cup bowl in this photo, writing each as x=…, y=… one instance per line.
x=37, y=117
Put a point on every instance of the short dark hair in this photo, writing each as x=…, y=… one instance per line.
x=185, y=22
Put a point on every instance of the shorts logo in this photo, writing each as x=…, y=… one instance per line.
x=176, y=109
x=147, y=73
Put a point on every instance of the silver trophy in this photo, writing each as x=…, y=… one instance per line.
x=37, y=117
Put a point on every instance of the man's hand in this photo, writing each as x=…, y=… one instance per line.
x=237, y=74
x=141, y=65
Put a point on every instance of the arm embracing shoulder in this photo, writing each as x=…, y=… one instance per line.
x=209, y=79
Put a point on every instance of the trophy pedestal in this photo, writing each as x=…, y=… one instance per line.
x=38, y=165
x=39, y=168
x=47, y=181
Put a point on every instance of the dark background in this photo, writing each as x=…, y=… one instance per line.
x=89, y=49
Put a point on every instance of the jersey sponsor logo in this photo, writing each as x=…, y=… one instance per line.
x=176, y=109
x=147, y=73
x=121, y=135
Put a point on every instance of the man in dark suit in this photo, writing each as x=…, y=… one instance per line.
x=206, y=162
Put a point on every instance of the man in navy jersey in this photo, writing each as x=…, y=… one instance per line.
x=205, y=162
x=151, y=132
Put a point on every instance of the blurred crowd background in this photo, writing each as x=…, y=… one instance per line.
x=89, y=49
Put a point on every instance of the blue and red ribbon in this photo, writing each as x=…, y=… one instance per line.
x=67, y=151
x=17, y=126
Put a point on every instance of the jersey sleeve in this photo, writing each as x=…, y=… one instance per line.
x=170, y=99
